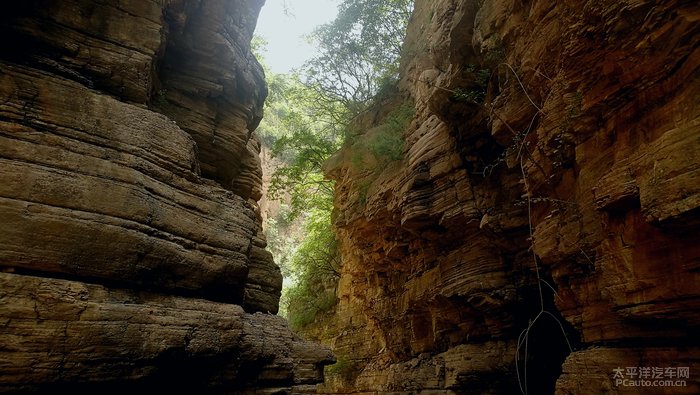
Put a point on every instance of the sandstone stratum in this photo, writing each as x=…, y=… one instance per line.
x=131, y=252
x=542, y=228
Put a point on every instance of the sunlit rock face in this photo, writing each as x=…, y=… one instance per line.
x=131, y=251
x=551, y=181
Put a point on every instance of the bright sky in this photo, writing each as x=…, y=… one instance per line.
x=283, y=23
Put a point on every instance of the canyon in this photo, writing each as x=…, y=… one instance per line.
x=538, y=234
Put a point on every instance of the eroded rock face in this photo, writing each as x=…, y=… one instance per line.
x=84, y=337
x=131, y=241
x=213, y=87
x=549, y=182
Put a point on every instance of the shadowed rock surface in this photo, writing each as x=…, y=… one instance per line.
x=131, y=241
x=550, y=181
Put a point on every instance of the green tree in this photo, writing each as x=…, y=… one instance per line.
x=358, y=53
x=306, y=118
x=301, y=238
x=303, y=141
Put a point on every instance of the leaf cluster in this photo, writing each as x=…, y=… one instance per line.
x=357, y=52
x=386, y=143
x=302, y=140
x=315, y=269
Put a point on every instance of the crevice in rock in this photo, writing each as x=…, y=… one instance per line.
x=223, y=293
x=548, y=340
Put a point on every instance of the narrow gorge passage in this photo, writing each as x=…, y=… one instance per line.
x=465, y=197
x=517, y=213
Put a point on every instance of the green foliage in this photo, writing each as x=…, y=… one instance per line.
x=302, y=141
x=373, y=153
x=315, y=266
x=304, y=306
x=300, y=237
x=301, y=178
x=258, y=46
x=282, y=238
x=388, y=144
x=357, y=51
x=387, y=88
x=468, y=96
x=290, y=108
x=385, y=143
x=309, y=258
x=306, y=120
x=481, y=76
x=343, y=367
x=477, y=91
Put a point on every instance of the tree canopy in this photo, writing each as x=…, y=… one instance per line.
x=358, y=53
x=306, y=118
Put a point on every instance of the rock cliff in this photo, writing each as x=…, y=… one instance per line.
x=541, y=228
x=131, y=249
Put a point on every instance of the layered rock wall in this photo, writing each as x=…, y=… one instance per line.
x=131, y=248
x=541, y=229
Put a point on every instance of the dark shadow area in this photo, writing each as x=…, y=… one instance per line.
x=547, y=343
